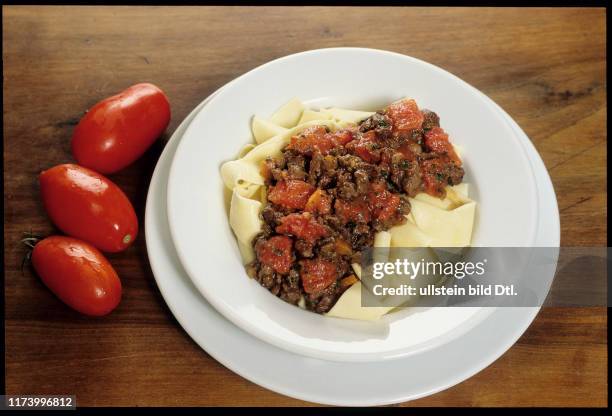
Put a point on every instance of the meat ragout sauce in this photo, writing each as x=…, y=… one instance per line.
x=331, y=192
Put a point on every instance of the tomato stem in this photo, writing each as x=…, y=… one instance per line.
x=30, y=240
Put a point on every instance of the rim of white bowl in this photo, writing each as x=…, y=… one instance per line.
x=227, y=311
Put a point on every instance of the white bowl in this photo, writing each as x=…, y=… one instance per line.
x=496, y=164
x=355, y=384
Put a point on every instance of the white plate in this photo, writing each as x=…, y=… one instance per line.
x=354, y=384
x=497, y=168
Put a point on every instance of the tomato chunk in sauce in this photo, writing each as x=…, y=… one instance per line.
x=310, y=140
x=302, y=226
x=319, y=203
x=366, y=147
x=276, y=253
x=353, y=211
x=318, y=274
x=405, y=116
x=317, y=139
x=384, y=204
x=342, y=137
x=292, y=193
x=436, y=140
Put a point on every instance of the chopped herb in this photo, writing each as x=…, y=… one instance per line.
x=392, y=186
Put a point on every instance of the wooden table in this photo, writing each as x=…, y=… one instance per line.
x=546, y=67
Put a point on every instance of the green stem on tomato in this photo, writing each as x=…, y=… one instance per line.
x=29, y=240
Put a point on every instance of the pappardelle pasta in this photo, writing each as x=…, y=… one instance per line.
x=317, y=187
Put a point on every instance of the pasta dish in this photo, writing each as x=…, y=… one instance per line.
x=320, y=186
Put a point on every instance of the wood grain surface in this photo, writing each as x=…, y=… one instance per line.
x=546, y=67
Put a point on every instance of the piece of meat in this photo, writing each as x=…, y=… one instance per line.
x=397, y=169
x=430, y=120
x=304, y=249
x=272, y=170
x=296, y=166
x=326, y=302
x=271, y=215
x=361, y=236
x=412, y=181
x=362, y=181
x=379, y=123
x=438, y=172
x=316, y=167
x=317, y=274
x=345, y=186
x=349, y=162
x=266, y=276
x=290, y=294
